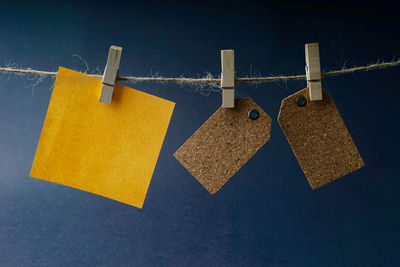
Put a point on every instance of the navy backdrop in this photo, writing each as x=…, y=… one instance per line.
x=266, y=215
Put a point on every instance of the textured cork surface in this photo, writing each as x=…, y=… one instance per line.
x=319, y=138
x=224, y=143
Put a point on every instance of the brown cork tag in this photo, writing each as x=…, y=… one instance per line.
x=224, y=143
x=319, y=138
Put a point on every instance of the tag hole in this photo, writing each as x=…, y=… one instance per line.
x=253, y=114
x=301, y=101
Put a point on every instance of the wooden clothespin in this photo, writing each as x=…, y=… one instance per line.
x=313, y=71
x=110, y=74
x=228, y=78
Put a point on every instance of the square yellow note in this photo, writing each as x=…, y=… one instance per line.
x=110, y=150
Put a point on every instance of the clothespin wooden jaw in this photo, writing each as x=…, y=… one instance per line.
x=228, y=78
x=313, y=71
x=110, y=74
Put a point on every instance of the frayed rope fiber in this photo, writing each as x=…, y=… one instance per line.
x=207, y=80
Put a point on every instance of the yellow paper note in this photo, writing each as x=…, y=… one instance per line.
x=110, y=150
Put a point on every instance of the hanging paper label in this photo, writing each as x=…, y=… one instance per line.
x=318, y=137
x=224, y=143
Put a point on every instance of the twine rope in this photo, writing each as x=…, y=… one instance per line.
x=181, y=80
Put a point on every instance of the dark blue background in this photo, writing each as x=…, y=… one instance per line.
x=266, y=215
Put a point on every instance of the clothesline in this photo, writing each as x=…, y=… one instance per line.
x=211, y=80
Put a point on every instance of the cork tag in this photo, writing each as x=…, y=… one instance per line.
x=318, y=137
x=224, y=143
